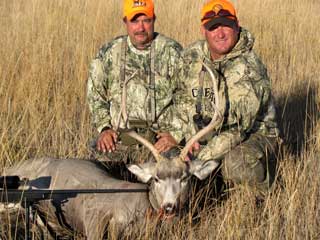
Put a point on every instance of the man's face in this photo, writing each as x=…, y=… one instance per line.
x=221, y=39
x=140, y=30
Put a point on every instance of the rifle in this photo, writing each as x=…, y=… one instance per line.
x=9, y=193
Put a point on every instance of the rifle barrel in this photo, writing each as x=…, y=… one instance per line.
x=33, y=195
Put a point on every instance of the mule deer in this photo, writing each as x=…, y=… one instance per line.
x=168, y=181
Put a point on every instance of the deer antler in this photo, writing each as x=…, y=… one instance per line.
x=146, y=143
x=215, y=121
x=130, y=132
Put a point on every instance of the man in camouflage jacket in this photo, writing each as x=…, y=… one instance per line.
x=148, y=62
x=247, y=138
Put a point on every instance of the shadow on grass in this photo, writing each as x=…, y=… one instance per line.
x=297, y=114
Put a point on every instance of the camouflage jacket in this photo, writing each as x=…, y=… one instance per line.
x=244, y=86
x=104, y=84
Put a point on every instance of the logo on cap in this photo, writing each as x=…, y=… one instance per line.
x=216, y=8
x=139, y=3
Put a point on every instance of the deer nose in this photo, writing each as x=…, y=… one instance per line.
x=169, y=208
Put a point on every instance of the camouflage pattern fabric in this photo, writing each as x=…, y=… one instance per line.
x=253, y=161
x=104, y=90
x=124, y=154
x=249, y=109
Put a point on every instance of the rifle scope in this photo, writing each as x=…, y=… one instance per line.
x=10, y=182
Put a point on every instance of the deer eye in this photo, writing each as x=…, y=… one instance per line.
x=156, y=179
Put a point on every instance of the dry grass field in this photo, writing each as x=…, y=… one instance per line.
x=45, y=49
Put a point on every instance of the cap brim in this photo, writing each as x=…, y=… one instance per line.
x=220, y=21
x=134, y=13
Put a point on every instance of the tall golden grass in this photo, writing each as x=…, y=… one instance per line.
x=45, y=49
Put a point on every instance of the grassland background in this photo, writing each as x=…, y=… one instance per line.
x=45, y=49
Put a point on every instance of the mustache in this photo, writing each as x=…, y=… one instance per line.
x=141, y=33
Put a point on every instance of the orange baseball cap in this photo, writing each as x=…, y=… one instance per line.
x=218, y=12
x=133, y=7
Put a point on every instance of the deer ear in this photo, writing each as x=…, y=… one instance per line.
x=202, y=169
x=142, y=171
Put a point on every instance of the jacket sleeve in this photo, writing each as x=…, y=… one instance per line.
x=97, y=95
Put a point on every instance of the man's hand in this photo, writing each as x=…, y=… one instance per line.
x=107, y=141
x=194, y=148
x=165, y=142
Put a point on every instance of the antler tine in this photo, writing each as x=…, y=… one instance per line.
x=123, y=107
x=215, y=121
x=132, y=133
x=146, y=143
